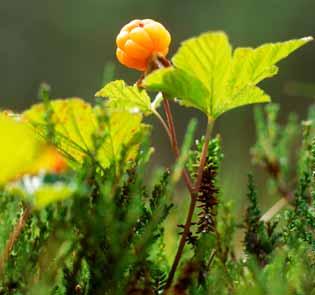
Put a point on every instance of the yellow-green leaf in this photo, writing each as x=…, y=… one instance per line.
x=122, y=129
x=121, y=97
x=226, y=79
x=178, y=83
x=21, y=152
x=19, y=147
x=208, y=58
x=76, y=122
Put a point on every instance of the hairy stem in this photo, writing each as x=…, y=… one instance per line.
x=192, y=206
x=17, y=230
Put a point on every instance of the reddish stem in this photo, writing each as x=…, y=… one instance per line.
x=174, y=143
x=192, y=207
x=17, y=230
x=160, y=62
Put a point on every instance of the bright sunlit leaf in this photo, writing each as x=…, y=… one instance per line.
x=209, y=76
x=76, y=122
x=122, y=97
x=21, y=152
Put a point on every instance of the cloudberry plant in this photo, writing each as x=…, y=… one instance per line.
x=140, y=40
x=86, y=222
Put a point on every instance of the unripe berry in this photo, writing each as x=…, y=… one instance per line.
x=139, y=40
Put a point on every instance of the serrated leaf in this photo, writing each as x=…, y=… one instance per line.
x=75, y=124
x=208, y=58
x=248, y=95
x=123, y=128
x=177, y=83
x=21, y=152
x=226, y=80
x=121, y=97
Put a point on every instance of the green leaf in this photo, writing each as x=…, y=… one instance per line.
x=76, y=123
x=122, y=97
x=177, y=83
x=208, y=58
x=208, y=76
x=125, y=131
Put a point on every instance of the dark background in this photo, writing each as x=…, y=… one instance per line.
x=67, y=43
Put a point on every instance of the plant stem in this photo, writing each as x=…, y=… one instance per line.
x=156, y=113
x=158, y=62
x=274, y=210
x=17, y=230
x=204, y=154
x=182, y=243
x=192, y=206
x=286, y=195
x=277, y=207
x=174, y=143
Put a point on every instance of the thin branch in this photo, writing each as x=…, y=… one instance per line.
x=156, y=113
x=192, y=207
x=161, y=62
x=213, y=253
x=15, y=234
x=286, y=195
x=277, y=207
x=274, y=210
x=174, y=143
x=182, y=243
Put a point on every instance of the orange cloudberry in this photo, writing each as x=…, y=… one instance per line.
x=139, y=40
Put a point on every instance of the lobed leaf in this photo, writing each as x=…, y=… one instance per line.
x=121, y=97
x=76, y=123
x=177, y=83
x=208, y=76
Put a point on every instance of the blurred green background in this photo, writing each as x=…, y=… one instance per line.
x=67, y=43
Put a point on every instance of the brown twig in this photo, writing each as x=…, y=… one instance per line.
x=286, y=195
x=286, y=198
x=161, y=62
x=192, y=206
x=174, y=143
x=17, y=230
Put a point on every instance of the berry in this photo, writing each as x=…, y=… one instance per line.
x=139, y=40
